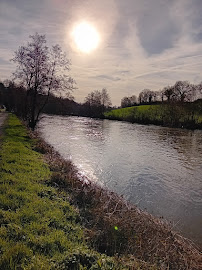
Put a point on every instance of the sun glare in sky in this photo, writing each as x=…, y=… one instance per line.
x=85, y=37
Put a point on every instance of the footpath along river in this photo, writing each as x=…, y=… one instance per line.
x=3, y=116
x=158, y=169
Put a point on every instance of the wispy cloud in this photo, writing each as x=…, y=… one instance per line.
x=144, y=44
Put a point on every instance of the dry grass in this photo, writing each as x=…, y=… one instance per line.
x=117, y=228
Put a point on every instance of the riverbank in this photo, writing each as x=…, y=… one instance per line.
x=96, y=221
x=172, y=115
x=40, y=229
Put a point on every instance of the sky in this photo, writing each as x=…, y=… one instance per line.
x=144, y=44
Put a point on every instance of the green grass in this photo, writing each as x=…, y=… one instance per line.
x=128, y=113
x=39, y=227
x=177, y=115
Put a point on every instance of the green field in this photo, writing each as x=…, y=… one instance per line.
x=175, y=115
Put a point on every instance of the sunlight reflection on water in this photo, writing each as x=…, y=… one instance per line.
x=157, y=168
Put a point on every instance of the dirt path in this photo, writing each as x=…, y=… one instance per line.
x=3, y=116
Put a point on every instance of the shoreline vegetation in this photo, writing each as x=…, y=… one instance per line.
x=52, y=219
x=179, y=115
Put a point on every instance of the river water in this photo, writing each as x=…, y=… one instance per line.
x=158, y=169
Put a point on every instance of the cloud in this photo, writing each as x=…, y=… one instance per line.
x=145, y=44
x=105, y=77
x=155, y=27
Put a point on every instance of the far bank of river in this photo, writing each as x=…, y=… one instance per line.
x=158, y=169
x=178, y=115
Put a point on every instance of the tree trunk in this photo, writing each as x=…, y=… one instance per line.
x=32, y=122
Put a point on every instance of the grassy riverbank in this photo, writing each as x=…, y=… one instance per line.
x=174, y=115
x=50, y=219
x=39, y=227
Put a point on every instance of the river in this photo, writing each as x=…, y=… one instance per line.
x=156, y=168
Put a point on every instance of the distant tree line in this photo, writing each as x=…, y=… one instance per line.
x=14, y=98
x=181, y=91
x=180, y=105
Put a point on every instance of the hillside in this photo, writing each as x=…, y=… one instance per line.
x=188, y=115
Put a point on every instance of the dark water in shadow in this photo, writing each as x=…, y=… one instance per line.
x=156, y=168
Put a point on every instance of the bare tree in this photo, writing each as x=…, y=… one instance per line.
x=94, y=99
x=125, y=102
x=128, y=101
x=133, y=99
x=168, y=92
x=198, y=89
x=97, y=102
x=157, y=96
x=146, y=96
x=183, y=91
x=41, y=71
x=105, y=99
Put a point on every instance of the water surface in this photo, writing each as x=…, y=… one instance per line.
x=156, y=168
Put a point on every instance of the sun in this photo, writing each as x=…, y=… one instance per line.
x=85, y=37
